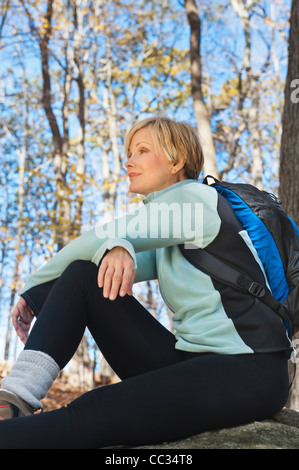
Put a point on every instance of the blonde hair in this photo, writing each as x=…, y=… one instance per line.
x=178, y=140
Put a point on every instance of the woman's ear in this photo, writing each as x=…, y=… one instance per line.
x=178, y=166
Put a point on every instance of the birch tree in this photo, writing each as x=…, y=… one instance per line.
x=67, y=227
x=243, y=8
x=200, y=108
x=21, y=150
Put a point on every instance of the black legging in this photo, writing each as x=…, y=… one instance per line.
x=165, y=394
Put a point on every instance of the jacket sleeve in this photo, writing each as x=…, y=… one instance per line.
x=160, y=223
x=87, y=247
x=36, y=296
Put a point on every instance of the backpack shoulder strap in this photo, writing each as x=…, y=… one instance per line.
x=231, y=276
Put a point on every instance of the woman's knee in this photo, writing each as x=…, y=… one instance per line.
x=81, y=269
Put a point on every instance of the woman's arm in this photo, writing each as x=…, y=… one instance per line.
x=116, y=273
x=172, y=218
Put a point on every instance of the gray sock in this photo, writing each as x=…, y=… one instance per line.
x=31, y=377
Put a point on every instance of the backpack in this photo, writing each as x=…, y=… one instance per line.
x=276, y=239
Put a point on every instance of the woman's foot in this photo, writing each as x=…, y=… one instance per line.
x=12, y=406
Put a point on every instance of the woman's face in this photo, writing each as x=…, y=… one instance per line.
x=148, y=168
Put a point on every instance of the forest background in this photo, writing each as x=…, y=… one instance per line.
x=75, y=75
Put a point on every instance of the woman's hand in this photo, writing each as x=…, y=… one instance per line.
x=22, y=317
x=116, y=273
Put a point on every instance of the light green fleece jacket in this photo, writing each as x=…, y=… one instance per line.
x=185, y=212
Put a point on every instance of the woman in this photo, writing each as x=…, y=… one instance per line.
x=225, y=364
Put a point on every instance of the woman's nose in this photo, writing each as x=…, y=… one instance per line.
x=129, y=162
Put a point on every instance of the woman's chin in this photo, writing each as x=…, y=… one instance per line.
x=133, y=188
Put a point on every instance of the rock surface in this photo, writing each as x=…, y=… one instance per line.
x=279, y=432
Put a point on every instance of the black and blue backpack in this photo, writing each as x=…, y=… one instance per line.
x=275, y=237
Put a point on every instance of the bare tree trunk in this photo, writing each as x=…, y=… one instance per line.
x=80, y=170
x=254, y=132
x=289, y=154
x=60, y=142
x=200, y=109
x=111, y=173
x=66, y=229
x=81, y=366
x=4, y=7
x=242, y=11
x=289, y=157
x=22, y=153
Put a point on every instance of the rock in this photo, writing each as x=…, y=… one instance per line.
x=279, y=432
